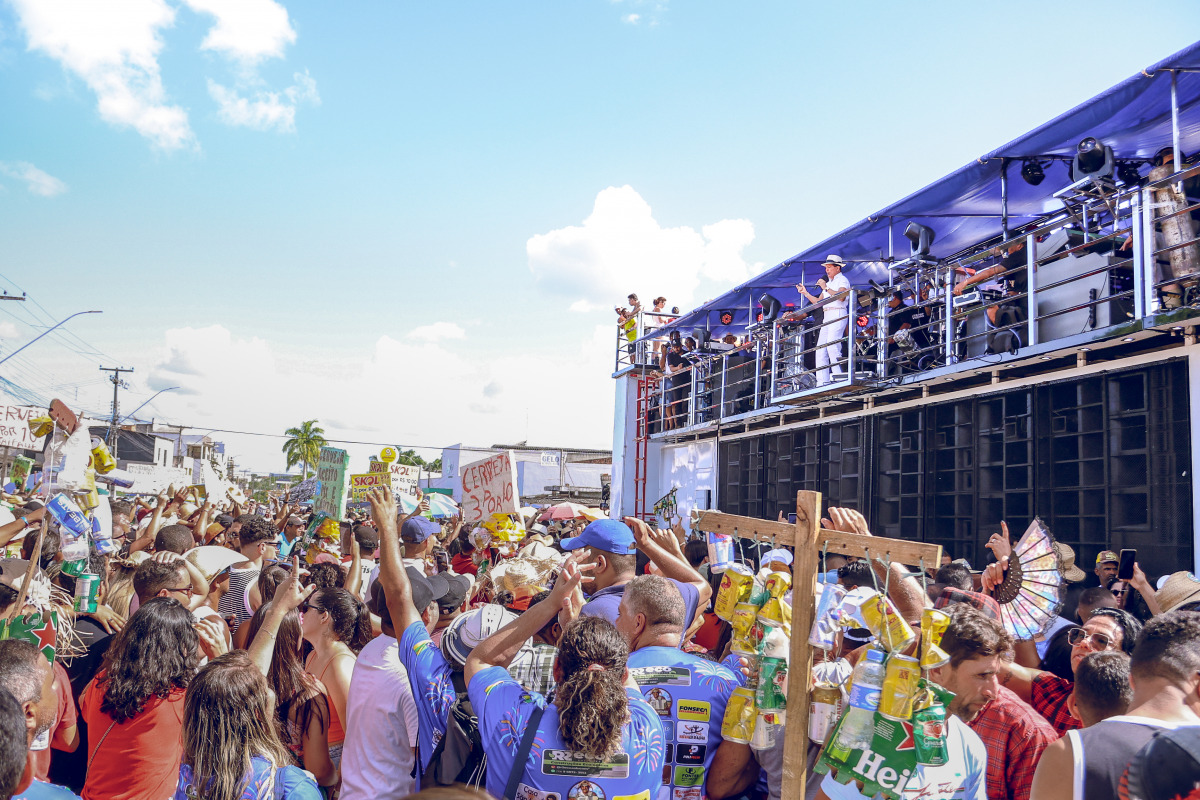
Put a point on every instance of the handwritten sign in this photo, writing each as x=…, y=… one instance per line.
x=364, y=482
x=332, y=467
x=152, y=478
x=14, y=427
x=490, y=487
x=405, y=478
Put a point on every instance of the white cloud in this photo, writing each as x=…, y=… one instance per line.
x=8, y=330
x=437, y=331
x=268, y=110
x=400, y=395
x=582, y=307
x=632, y=19
x=113, y=48
x=648, y=12
x=246, y=30
x=36, y=181
x=620, y=248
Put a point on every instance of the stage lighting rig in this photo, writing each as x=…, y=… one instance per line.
x=1032, y=172
x=920, y=238
x=1093, y=159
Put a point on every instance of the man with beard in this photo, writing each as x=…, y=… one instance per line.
x=27, y=675
x=1013, y=733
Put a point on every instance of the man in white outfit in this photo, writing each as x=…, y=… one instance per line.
x=835, y=289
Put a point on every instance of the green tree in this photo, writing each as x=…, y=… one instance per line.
x=410, y=458
x=303, y=445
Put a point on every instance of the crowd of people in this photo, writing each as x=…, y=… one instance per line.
x=579, y=661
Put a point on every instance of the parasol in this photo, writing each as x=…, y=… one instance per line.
x=1032, y=593
x=563, y=511
x=440, y=505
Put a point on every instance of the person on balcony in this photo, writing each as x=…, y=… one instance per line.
x=834, y=289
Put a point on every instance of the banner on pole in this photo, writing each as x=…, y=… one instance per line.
x=332, y=467
x=490, y=487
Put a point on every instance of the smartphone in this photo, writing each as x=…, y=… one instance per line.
x=442, y=559
x=792, y=518
x=1125, y=568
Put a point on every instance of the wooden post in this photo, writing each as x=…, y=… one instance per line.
x=33, y=564
x=804, y=588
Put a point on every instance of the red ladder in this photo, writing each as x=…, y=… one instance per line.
x=641, y=442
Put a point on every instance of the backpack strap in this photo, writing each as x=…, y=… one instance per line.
x=523, y=753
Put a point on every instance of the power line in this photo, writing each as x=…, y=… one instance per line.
x=346, y=441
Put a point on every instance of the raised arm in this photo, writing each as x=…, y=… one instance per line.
x=288, y=596
x=391, y=567
x=499, y=649
x=662, y=548
x=200, y=587
x=353, y=583
x=11, y=529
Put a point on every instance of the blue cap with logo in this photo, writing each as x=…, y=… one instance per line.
x=609, y=535
x=417, y=529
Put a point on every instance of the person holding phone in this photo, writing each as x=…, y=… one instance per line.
x=1130, y=578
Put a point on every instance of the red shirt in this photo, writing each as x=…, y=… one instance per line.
x=1048, y=696
x=1015, y=736
x=138, y=759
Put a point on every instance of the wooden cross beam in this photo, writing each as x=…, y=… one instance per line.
x=808, y=539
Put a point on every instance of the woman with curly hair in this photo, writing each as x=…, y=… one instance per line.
x=302, y=707
x=231, y=748
x=598, y=715
x=134, y=705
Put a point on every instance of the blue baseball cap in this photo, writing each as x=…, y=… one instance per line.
x=609, y=535
x=417, y=529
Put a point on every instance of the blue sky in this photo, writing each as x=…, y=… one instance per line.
x=373, y=213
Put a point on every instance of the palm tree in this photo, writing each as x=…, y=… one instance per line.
x=304, y=444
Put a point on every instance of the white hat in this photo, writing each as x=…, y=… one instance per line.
x=835, y=260
x=212, y=560
x=772, y=556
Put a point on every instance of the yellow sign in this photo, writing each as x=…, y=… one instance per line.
x=388, y=455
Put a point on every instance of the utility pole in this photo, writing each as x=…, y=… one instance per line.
x=118, y=384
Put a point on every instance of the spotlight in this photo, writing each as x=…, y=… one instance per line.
x=1127, y=171
x=1032, y=172
x=920, y=238
x=1093, y=159
x=770, y=308
x=702, y=337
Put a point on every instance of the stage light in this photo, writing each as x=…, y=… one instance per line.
x=1093, y=159
x=702, y=337
x=1032, y=172
x=1127, y=171
x=770, y=308
x=920, y=238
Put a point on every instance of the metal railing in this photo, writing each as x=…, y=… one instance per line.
x=1115, y=259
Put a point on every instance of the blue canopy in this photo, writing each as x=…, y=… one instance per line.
x=964, y=208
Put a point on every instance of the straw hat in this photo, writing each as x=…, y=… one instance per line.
x=212, y=560
x=1180, y=588
x=1066, y=559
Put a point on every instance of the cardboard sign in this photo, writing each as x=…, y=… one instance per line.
x=14, y=427
x=377, y=466
x=364, y=482
x=490, y=487
x=405, y=479
x=152, y=479
x=332, y=468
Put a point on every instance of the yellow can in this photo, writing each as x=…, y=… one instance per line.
x=737, y=582
x=102, y=460
x=747, y=630
x=899, y=687
x=740, y=716
x=933, y=626
x=891, y=632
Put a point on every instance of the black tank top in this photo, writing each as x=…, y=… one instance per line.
x=1108, y=747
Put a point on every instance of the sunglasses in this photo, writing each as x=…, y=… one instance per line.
x=310, y=606
x=182, y=590
x=1079, y=636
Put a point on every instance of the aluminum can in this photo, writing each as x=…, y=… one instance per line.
x=736, y=584
x=102, y=460
x=68, y=516
x=748, y=632
x=899, y=687
x=720, y=551
x=892, y=633
x=87, y=588
x=929, y=735
x=740, y=713
x=772, y=685
x=825, y=706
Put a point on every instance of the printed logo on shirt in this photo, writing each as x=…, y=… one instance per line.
x=527, y=792
x=692, y=710
x=689, y=776
x=690, y=754
x=660, y=701
x=570, y=765
x=585, y=790
x=687, y=793
x=662, y=676
x=693, y=732
x=421, y=646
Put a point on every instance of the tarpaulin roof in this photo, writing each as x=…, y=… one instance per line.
x=963, y=208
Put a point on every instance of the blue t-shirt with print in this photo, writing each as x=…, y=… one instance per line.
x=553, y=772
x=689, y=694
x=432, y=688
x=291, y=782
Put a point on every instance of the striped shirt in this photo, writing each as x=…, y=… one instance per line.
x=233, y=602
